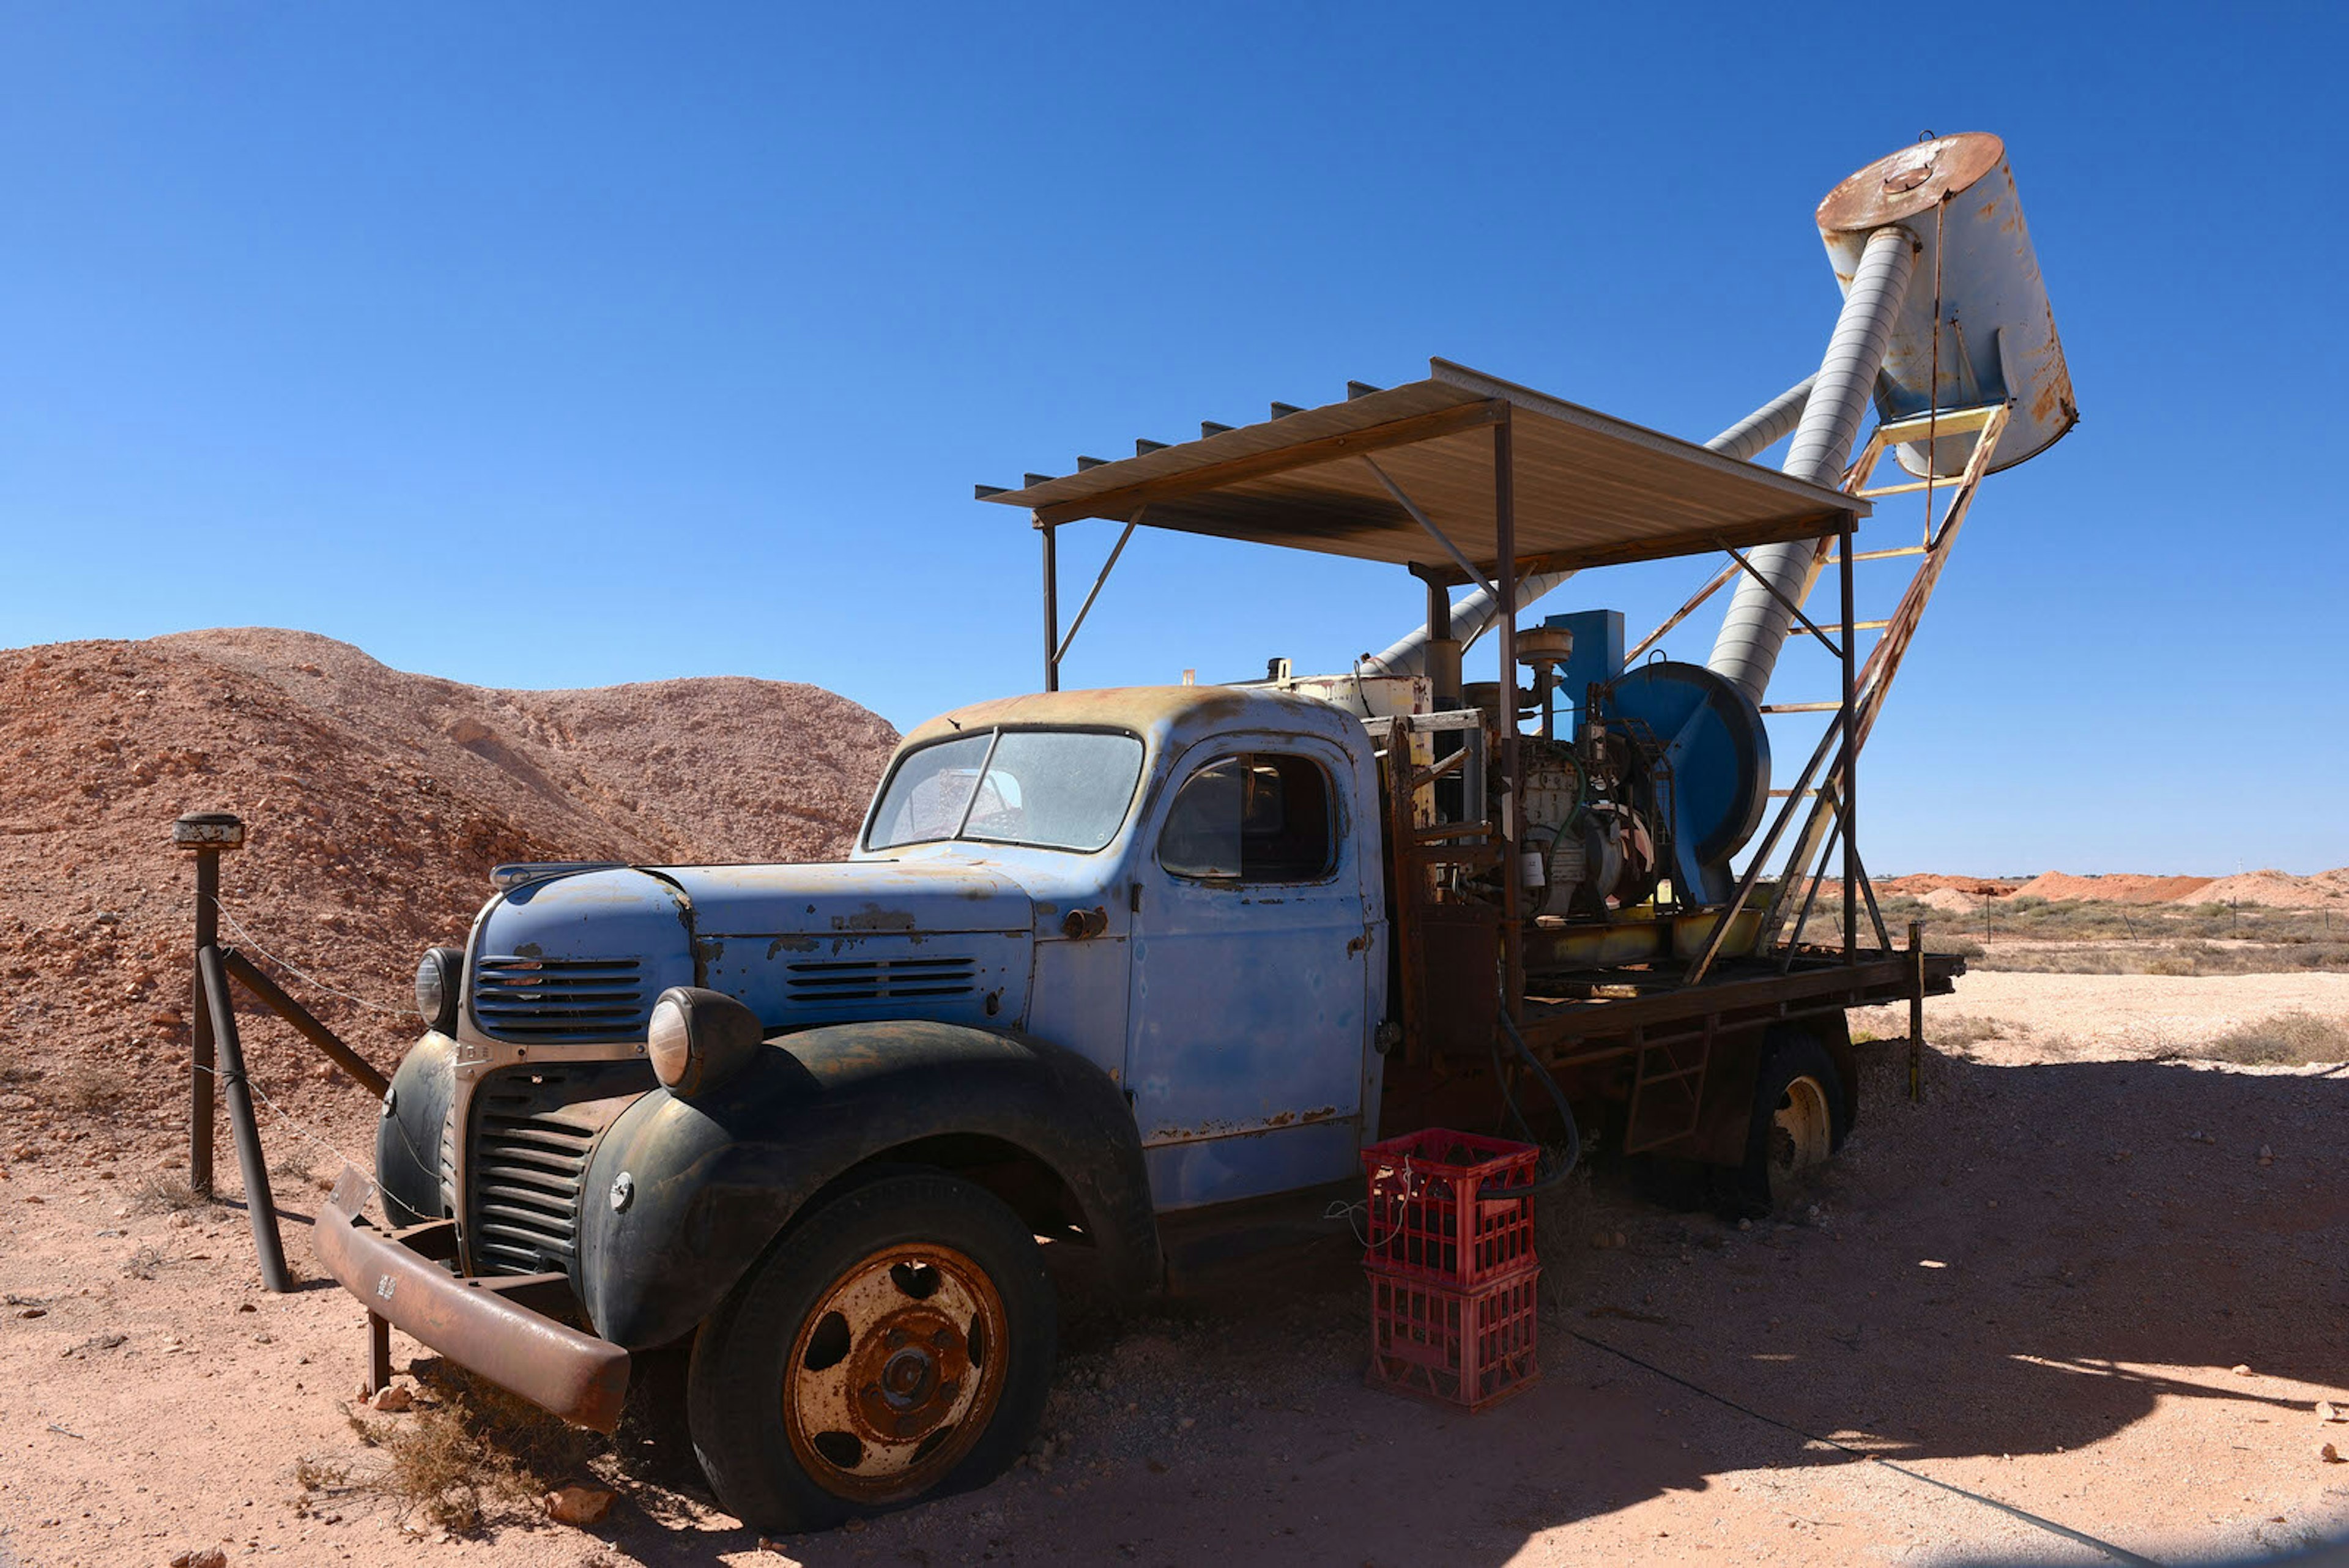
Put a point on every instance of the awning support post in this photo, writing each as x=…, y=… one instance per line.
x=1107, y=567
x=1440, y=537
x=1504, y=597
x=1051, y=608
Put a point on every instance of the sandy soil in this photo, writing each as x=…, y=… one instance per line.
x=2036, y=1287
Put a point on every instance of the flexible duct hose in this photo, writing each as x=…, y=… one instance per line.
x=1755, y=629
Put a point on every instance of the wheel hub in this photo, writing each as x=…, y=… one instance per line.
x=895, y=1373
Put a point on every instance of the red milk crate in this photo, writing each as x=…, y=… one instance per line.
x=1470, y=1348
x=1440, y=1209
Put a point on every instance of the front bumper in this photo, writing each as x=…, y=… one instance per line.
x=482, y=1323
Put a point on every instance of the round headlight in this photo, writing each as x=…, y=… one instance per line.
x=439, y=986
x=699, y=1038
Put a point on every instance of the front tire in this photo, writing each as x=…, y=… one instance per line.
x=898, y=1345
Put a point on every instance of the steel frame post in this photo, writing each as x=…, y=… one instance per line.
x=1504, y=540
x=1850, y=804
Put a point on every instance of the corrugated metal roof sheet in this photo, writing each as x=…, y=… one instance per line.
x=1589, y=489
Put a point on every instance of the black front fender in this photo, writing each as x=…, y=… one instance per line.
x=711, y=1182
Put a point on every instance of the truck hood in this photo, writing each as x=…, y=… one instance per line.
x=848, y=898
x=580, y=958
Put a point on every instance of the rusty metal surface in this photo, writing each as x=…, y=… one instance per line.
x=1955, y=197
x=573, y=1375
x=1589, y=488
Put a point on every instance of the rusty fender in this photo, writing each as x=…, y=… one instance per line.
x=576, y=1375
x=713, y=1181
x=407, y=1135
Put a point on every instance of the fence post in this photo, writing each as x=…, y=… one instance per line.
x=1917, y=1012
x=205, y=834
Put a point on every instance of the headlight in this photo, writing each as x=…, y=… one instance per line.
x=699, y=1038
x=439, y=986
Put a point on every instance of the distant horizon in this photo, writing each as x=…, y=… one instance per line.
x=903, y=727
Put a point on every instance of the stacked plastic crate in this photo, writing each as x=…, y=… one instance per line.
x=1452, y=1266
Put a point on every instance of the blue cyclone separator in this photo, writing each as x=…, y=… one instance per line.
x=1717, y=754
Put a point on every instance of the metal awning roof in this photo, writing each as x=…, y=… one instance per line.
x=1589, y=489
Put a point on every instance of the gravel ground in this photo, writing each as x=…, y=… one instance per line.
x=2068, y=1281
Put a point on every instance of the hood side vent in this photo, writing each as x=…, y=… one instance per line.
x=830, y=983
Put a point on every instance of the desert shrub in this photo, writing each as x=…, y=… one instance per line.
x=2297, y=1039
x=471, y=1452
x=2167, y=958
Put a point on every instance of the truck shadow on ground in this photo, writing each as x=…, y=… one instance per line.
x=2038, y=1260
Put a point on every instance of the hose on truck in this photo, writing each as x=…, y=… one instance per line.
x=1543, y=1179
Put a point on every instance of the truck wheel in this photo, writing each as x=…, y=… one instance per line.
x=898, y=1346
x=1802, y=1114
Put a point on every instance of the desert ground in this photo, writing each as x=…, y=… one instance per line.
x=2092, y=1278
x=2087, y=1298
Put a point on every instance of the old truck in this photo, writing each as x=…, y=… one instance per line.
x=1105, y=968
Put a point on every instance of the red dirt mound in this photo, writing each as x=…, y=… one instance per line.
x=375, y=803
x=1917, y=884
x=2118, y=889
x=2282, y=889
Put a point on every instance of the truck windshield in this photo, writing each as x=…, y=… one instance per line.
x=1051, y=789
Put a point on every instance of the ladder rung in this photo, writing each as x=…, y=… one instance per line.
x=1947, y=421
x=1677, y=1072
x=1877, y=555
x=1801, y=707
x=1911, y=487
x=1783, y=794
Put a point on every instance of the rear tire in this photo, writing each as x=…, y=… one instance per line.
x=1802, y=1114
x=895, y=1345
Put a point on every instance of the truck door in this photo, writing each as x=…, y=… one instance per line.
x=1251, y=946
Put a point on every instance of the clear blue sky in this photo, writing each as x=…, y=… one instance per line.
x=564, y=345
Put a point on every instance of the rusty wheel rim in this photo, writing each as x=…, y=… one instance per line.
x=895, y=1374
x=1801, y=1133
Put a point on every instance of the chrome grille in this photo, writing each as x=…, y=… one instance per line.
x=560, y=1000
x=819, y=983
x=527, y=1163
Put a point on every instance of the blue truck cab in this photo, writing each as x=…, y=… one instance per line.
x=1094, y=957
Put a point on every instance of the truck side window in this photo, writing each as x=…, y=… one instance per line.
x=1260, y=817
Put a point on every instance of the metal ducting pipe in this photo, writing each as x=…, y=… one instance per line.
x=1755, y=629
x=1474, y=614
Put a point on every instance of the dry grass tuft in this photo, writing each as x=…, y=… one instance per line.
x=472, y=1453
x=89, y=1090
x=168, y=1195
x=2296, y=1039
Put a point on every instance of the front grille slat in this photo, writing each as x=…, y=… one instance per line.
x=560, y=999
x=525, y=1168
